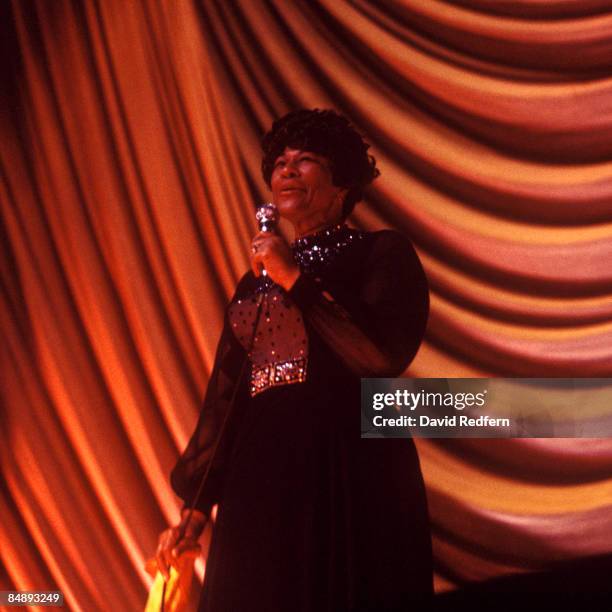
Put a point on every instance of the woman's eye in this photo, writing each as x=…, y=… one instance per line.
x=281, y=163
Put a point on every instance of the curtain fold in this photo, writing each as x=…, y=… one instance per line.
x=130, y=170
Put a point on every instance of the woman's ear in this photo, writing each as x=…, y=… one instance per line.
x=340, y=195
x=339, y=201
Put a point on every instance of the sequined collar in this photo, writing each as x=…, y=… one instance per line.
x=319, y=249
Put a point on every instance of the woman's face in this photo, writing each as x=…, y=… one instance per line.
x=303, y=191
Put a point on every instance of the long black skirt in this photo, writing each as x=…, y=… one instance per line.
x=315, y=519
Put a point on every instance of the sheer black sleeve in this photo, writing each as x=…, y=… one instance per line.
x=187, y=473
x=377, y=327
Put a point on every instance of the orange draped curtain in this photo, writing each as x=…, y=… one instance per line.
x=130, y=169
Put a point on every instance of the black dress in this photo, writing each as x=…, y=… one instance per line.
x=311, y=517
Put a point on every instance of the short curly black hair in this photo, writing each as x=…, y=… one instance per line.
x=331, y=135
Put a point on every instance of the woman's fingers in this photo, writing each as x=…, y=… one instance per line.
x=185, y=545
x=170, y=546
x=271, y=252
x=163, y=555
x=170, y=549
x=160, y=555
x=258, y=249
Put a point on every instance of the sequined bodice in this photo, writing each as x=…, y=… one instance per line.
x=278, y=351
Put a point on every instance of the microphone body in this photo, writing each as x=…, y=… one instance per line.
x=267, y=217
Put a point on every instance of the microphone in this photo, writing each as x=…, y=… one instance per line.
x=267, y=217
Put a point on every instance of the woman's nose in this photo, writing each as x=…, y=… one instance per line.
x=290, y=169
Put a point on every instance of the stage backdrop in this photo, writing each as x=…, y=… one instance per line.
x=130, y=171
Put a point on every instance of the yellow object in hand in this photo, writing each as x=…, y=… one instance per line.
x=176, y=596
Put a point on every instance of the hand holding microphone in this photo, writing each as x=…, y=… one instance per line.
x=270, y=253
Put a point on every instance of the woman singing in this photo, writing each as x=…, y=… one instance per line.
x=311, y=517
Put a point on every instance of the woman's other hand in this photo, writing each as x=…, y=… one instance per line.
x=271, y=251
x=171, y=545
